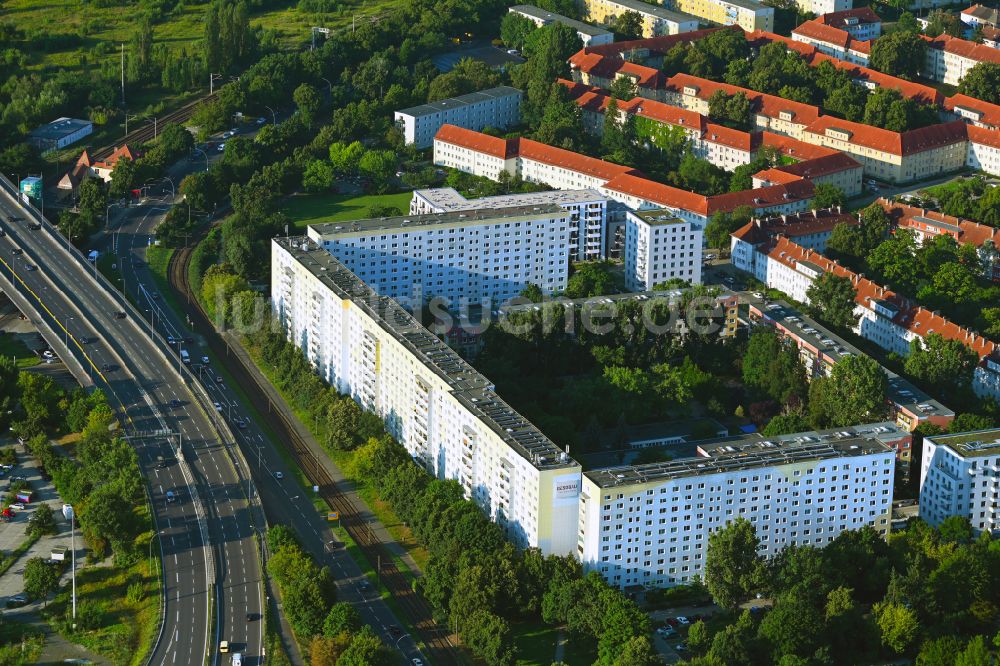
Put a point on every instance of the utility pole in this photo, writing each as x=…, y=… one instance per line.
x=123, y=74
x=69, y=513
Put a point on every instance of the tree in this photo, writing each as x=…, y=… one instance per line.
x=342, y=618
x=698, y=639
x=732, y=563
x=122, y=178
x=307, y=102
x=976, y=653
x=831, y=298
x=968, y=422
x=591, y=279
x=366, y=649
x=42, y=521
x=488, y=636
x=784, y=424
x=771, y=366
x=628, y=25
x=826, y=195
x=939, y=651
x=638, y=652
x=897, y=624
x=39, y=578
x=938, y=361
x=325, y=650
x=854, y=392
x=982, y=82
x=318, y=176
x=514, y=30
x=345, y=157
x=93, y=202
x=201, y=190
x=735, y=643
x=561, y=124
x=378, y=167
x=899, y=54
x=468, y=75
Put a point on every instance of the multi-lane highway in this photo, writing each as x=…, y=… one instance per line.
x=212, y=580
x=285, y=501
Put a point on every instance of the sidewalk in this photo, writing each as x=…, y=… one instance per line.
x=345, y=486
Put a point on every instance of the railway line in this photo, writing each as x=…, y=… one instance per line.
x=148, y=132
x=417, y=610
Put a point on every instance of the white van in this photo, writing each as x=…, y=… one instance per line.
x=237, y=659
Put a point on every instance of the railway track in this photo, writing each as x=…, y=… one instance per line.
x=417, y=610
x=147, y=132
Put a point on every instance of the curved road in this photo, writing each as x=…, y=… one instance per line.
x=212, y=581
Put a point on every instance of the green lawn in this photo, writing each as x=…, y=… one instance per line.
x=14, y=348
x=536, y=646
x=315, y=208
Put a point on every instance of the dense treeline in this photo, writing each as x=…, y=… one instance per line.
x=925, y=594
x=476, y=581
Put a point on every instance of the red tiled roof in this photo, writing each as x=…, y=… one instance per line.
x=897, y=143
x=821, y=32
x=766, y=105
x=990, y=33
x=796, y=224
x=839, y=19
x=759, y=38
x=821, y=166
x=118, y=153
x=989, y=113
x=916, y=319
x=727, y=136
x=762, y=197
x=664, y=195
x=483, y=143
x=799, y=150
x=964, y=48
x=664, y=113
x=969, y=231
x=540, y=152
x=609, y=67
x=775, y=176
x=986, y=137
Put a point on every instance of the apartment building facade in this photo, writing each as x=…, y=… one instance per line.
x=498, y=107
x=460, y=257
x=949, y=59
x=439, y=408
x=747, y=14
x=960, y=476
x=648, y=526
x=833, y=42
x=590, y=35
x=659, y=247
x=589, y=239
x=657, y=20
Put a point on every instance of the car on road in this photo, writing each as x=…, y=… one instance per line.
x=16, y=600
x=261, y=121
x=204, y=359
x=223, y=647
x=175, y=403
x=160, y=462
x=171, y=340
x=17, y=251
x=218, y=379
x=31, y=267
x=171, y=497
x=48, y=354
x=279, y=475
x=681, y=647
x=84, y=340
x=237, y=659
x=35, y=226
x=17, y=506
x=222, y=147
x=251, y=617
x=682, y=620
x=120, y=314
x=218, y=407
x=416, y=661
x=109, y=367
x=759, y=295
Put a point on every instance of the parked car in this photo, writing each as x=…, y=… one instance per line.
x=204, y=359
x=682, y=620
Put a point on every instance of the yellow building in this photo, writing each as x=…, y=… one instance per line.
x=656, y=20
x=747, y=14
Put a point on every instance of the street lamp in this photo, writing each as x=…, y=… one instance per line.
x=329, y=86
x=69, y=513
x=274, y=116
x=173, y=190
x=204, y=154
x=212, y=78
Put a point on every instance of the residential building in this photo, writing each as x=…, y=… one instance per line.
x=862, y=23
x=590, y=35
x=747, y=14
x=649, y=525
x=657, y=20
x=59, y=133
x=973, y=111
x=896, y=157
x=461, y=257
x=588, y=221
x=927, y=224
x=950, y=58
x=498, y=107
x=820, y=349
x=960, y=476
x=833, y=41
x=884, y=317
x=980, y=16
x=438, y=407
x=991, y=37
x=660, y=247
x=86, y=167
x=820, y=7
x=809, y=229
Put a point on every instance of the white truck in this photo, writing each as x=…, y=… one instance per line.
x=185, y=357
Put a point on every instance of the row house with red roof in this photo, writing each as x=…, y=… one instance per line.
x=949, y=58
x=809, y=229
x=884, y=317
x=833, y=41
x=927, y=224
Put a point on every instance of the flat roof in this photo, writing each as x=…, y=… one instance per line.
x=470, y=387
x=473, y=216
x=747, y=453
x=658, y=217
x=655, y=10
x=59, y=128
x=449, y=199
x=885, y=432
x=937, y=223
x=745, y=4
x=543, y=15
x=462, y=100
x=975, y=444
x=899, y=390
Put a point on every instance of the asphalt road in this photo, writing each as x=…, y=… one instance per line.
x=210, y=509
x=284, y=501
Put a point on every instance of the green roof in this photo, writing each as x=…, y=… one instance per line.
x=972, y=444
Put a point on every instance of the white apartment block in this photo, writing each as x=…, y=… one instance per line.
x=820, y=7
x=949, y=58
x=657, y=20
x=459, y=257
x=590, y=35
x=588, y=213
x=658, y=247
x=960, y=476
x=649, y=525
x=436, y=405
x=498, y=107
x=747, y=14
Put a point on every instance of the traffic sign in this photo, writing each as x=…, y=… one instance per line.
x=333, y=515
